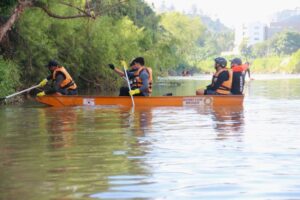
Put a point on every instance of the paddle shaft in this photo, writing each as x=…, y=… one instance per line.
x=17, y=93
x=127, y=79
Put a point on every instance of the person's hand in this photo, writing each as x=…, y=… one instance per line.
x=43, y=83
x=200, y=92
x=111, y=66
x=40, y=94
x=133, y=92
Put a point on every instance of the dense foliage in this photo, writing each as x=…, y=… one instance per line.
x=9, y=77
x=86, y=45
x=278, y=54
x=283, y=43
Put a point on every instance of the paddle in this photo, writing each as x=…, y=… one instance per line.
x=17, y=93
x=127, y=79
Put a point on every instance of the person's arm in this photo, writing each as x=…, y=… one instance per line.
x=248, y=71
x=210, y=85
x=44, y=82
x=59, y=78
x=224, y=76
x=120, y=72
x=130, y=74
x=145, y=80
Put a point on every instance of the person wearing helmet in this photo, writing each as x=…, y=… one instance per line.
x=63, y=83
x=140, y=78
x=221, y=81
x=238, y=79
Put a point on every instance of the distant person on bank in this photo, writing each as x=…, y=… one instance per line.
x=140, y=78
x=62, y=82
x=221, y=80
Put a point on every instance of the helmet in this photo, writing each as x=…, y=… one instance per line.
x=237, y=61
x=52, y=63
x=221, y=61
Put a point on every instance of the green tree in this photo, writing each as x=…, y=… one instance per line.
x=245, y=49
x=185, y=32
x=286, y=43
x=261, y=49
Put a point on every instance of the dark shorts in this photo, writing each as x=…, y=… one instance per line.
x=210, y=92
x=72, y=92
x=68, y=92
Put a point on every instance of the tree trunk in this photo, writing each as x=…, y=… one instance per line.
x=13, y=18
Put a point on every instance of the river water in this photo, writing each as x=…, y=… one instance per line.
x=244, y=152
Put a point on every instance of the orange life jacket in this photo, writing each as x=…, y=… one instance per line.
x=68, y=83
x=137, y=81
x=226, y=85
x=240, y=68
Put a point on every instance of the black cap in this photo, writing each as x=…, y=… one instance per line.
x=52, y=63
x=236, y=61
x=139, y=60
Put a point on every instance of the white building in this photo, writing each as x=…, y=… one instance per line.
x=252, y=33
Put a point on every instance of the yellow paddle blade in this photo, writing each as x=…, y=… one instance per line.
x=123, y=63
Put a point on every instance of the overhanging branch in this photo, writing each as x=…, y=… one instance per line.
x=83, y=13
x=51, y=14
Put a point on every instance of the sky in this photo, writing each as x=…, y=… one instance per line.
x=233, y=12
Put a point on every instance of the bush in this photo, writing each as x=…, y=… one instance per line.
x=295, y=62
x=273, y=64
x=9, y=77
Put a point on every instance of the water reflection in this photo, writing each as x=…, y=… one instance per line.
x=142, y=120
x=159, y=153
x=138, y=123
x=61, y=124
x=171, y=138
x=228, y=121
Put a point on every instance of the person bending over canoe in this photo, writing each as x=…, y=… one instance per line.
x=239, y=72
x=140, y=78
x=62, y=82
x=221, y=81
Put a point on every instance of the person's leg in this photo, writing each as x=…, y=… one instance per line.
x=210, y=92
x=72, y=92
x=62, y=91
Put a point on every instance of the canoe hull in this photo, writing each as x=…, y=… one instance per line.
x=205, y=100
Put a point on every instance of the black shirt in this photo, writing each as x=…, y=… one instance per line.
x=56, y=84
x=223, y=76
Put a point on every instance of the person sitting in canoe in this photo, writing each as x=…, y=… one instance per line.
x=239, y=73
x=140, y=78
x=63, y=83
x=221, y=81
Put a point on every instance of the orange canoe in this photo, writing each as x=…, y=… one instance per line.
x=205, y=100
